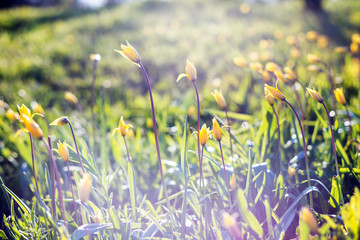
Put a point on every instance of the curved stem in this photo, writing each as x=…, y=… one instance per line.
x=156, y=137
x=72, y=191
x=33, y=162
x=201, y=173
x=333, y=140
x=229, y=129
x=305, y=151
x=226, y=178
x=279, y=137
x=48, y=147
x=76, y=147
x=198, y=119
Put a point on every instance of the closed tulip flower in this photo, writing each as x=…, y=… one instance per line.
x=32, y=126
x=63, y=151
x=130, y=53
x=268, y=97
x=275, y=93
x=339, y=94
x=315, y=95
x=204, y=135
x=216, y=132
x=61, y=121
x=219, y=98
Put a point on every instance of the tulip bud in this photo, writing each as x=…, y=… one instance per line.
x=308, y=217
x=190, y=71
x=204, y=135
x=32, y=126
x=219, y=98
x=130, y=53
x=63, y=151
x=339, y=94
x=70, y=97
x=216, y=130
x=315, y=95
x=61, y=121
x=275, y=93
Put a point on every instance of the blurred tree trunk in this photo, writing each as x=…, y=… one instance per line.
x=313, y=5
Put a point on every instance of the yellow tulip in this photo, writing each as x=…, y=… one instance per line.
x=85, y=187
x=322, y=41
x=290, y=74
x=71, y=97
x=268, y=97
x=256, y=66
x=63, y=151
x=123, y=127
x=24, y=110
x=216, y=132
x=275, y=93
x=308, y=217
x=37, y=108
x=280, y=76
x=130, y=53
x=219, y=98
x=13, y=116
x=241, y=62
x=315, y=95
x=340, y=49
x=354, y=47
x=271, y=66
x=339, y=94
x=204, y=135
x=311, y=35
x=356, y=38
x=32, y=126
x=313, y=58
x=61, y=121
x=190, y=71
x=291, y=171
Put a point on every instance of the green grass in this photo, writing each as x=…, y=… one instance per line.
x=45, y=52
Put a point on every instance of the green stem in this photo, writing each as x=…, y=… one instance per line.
x=305, y=151
x=229, y=129
x=76, y=146
x=332, y=139
x=48, y=146
x=156, y=139
x=279, y=137
x=33, y=162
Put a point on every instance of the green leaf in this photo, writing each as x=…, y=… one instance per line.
x=89, y=229
x=131, y=181
x=2, y=235
x=21, y=204
x=181, y=75
x=336, y=192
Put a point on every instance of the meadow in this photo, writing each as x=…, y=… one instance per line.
x=180, y=120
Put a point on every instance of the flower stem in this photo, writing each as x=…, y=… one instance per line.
x=226, y=178
x=349, y=118
x=156, y=137
x=48, y=146
x=229, y=129
x=279, y=137
x=72, y=191
x=332, y=139
x=33, y=162
x=129, y=159
x=76, y=147
x=305, y=151
x=198, y=132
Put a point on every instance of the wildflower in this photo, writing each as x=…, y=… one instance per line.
x=290, y=74
x=123, y=127
x=268, y=97
x=219, y=98
x=291, y=40
x=70, y=97
x=32, y=126
x=233, y=182
x=84, y=187
x=322, y=41
x=95, y=57
x=61, y=121
x=313, y=58
x=315, y=95
x=256, y=66
x=356, y=38
x=97, y=218
x=63, y=151
x=340, y=49
x=308, y=217
x=280, y=76
x=339, y=94
x=278, y=34
x=314, y=68
x=295, y=53
x=354, y=47
x=275, y=93
x=204, y=135
x=241, y=62
x=130, y=53
x=37, y=108
x=24, y=110
x=231, y=225
x=265, y=75
x=13, y=116
x=271, y=66
x=190, y=71
x=216, y=132
x=291, y=171
x=311, y=35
